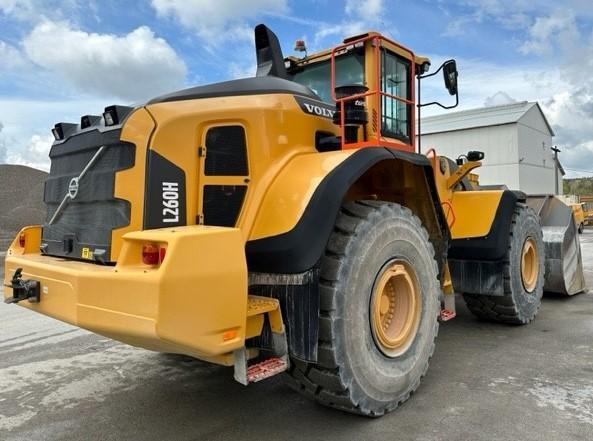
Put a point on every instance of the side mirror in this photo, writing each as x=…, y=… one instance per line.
x=475, y=155
x=450, y=76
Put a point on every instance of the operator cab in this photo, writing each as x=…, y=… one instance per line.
x=380, y=75
x=371, y=80
x=384, y=72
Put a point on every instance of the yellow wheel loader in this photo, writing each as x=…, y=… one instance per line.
x=283, y=223
x=579, y=216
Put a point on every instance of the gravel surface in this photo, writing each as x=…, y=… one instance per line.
x=486, y=382
x=21, y=199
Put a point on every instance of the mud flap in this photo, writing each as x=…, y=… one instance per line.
x=564, y=263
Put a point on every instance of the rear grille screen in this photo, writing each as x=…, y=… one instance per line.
x=222, y=204
x=226, y=152
x=88, y=220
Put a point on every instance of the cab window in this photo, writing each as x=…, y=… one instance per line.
x=395, y=80
x=317, y=76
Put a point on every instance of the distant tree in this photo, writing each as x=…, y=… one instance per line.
x=578, y=186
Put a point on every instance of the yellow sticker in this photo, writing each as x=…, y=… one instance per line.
x=87, y=253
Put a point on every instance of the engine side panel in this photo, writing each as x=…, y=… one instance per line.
x=271, y=128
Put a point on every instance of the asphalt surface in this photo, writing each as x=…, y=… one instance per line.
x=486, y=382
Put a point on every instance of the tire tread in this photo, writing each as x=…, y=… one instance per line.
x=503, y=308
x=330, y=388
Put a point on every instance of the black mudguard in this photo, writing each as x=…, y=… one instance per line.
x=301, y=248
x=476, y=264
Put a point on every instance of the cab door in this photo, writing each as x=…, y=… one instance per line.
x=397, y=105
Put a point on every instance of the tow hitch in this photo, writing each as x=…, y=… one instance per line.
x=23, y=289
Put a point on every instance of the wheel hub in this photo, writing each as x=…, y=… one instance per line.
x=529, y=265
x=395, y=308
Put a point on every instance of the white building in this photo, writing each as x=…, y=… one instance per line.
x=515, y=138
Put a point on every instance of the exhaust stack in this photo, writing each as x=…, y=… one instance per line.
x=270, y=61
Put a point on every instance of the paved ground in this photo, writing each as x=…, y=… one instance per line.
x=486, y=382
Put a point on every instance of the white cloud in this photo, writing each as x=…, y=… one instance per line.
x=135, y=66
x=569, y=109
x=566, y=99
x=560, y=39
x=500, y=98
x=36, y=10
x=26, y=135
x=482, y=82
x=10, y=56
x=513, y=15
x=457, y=27
x=360, y=16
x=510, y=14
x=35, y=154
x=346, y=28
x=245, y=69
x=225, y=22
x=16, y=8
x=558, y=28
x=218, y=20
x=367, y=10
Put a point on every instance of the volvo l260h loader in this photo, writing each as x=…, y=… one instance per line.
x=285, y=223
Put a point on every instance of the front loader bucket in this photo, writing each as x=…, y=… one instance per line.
x=564, y=264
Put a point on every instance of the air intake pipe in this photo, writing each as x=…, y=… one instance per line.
x=355, y=112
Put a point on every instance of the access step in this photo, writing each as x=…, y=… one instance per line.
x=260, y=305
x=447, y=314
x=266, y=369
x=258, y=308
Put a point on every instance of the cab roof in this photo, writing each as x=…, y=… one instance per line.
x=325, y=54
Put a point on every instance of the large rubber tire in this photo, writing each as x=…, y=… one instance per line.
x=517, y=306
x=352, y=373
x=581, y=228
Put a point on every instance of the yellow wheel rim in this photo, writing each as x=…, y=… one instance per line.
x=529, y=265
x=396, y=305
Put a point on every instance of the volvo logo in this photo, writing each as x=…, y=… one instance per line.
x=73, y=188
x=314, y=107
x=318, y=110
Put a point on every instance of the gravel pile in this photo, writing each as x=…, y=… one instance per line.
x=21, y=202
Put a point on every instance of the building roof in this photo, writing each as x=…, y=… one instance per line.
x=481, y=117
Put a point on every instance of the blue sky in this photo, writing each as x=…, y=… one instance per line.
x=60, y=59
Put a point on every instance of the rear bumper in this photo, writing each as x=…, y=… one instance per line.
x=189, y=304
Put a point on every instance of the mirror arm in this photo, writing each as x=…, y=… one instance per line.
x=441, y=105
x=420, y=77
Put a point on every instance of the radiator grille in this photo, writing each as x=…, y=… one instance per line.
x=226, y=151
x=222, y=204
